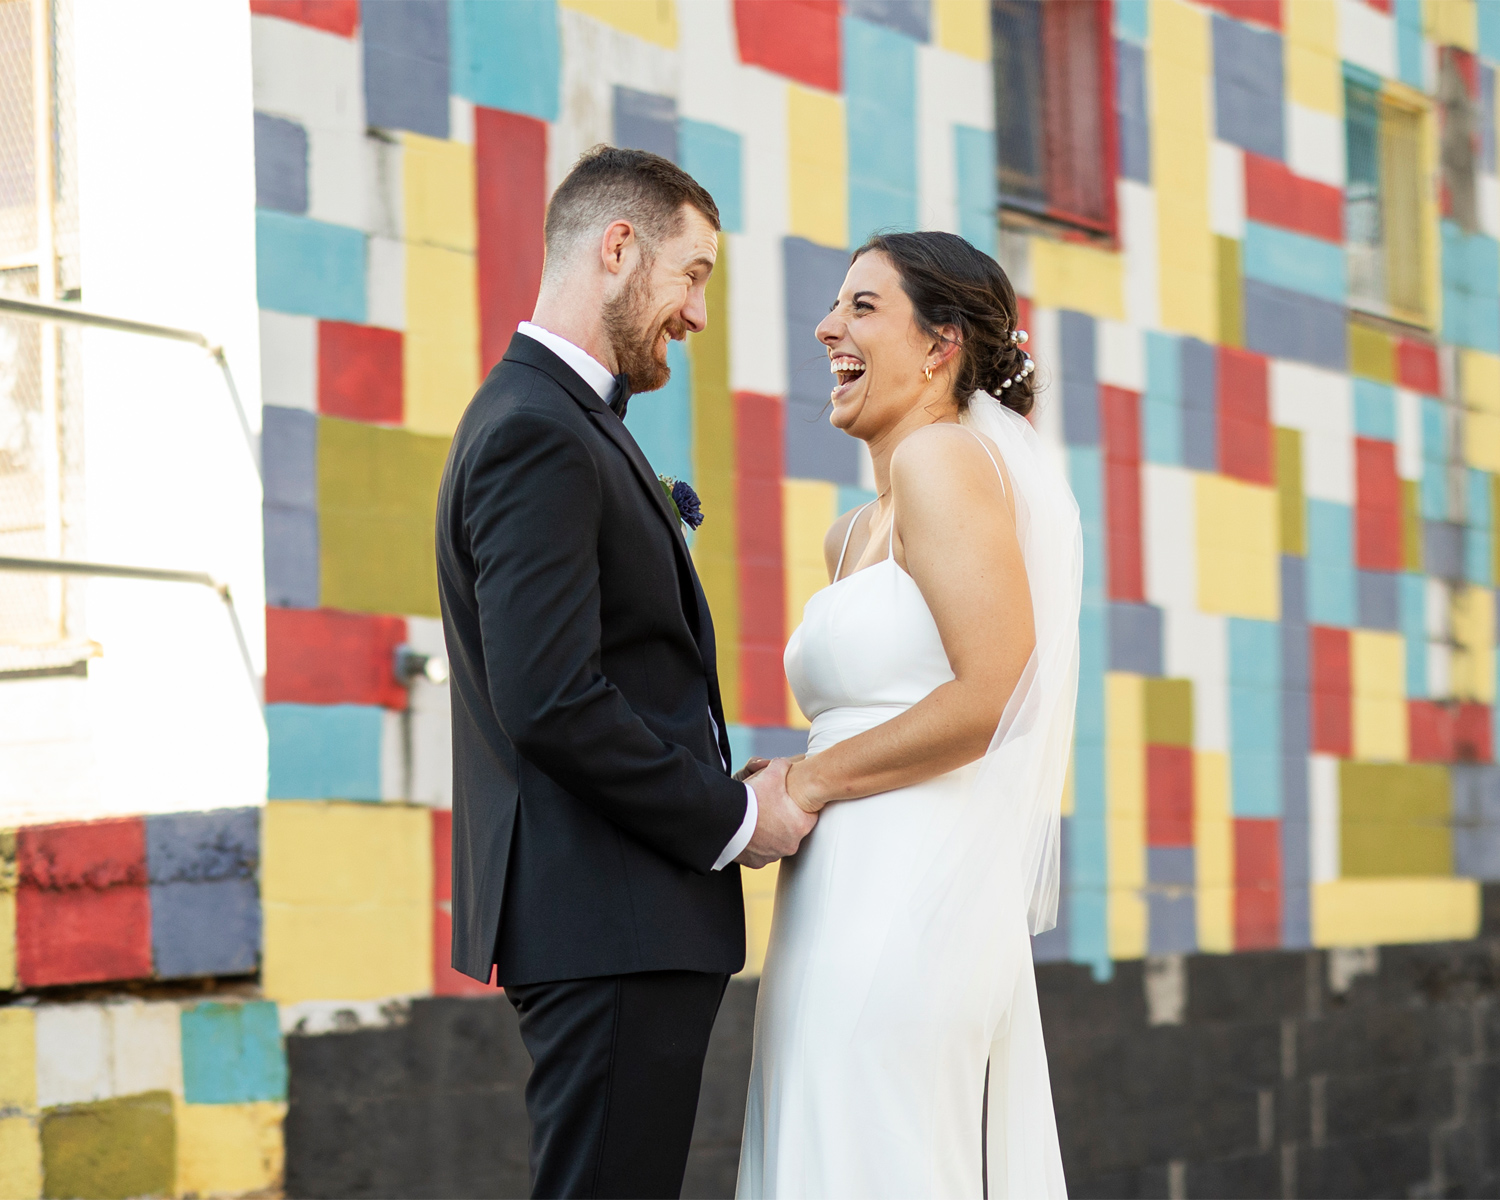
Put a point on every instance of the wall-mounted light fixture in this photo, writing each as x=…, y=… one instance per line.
x=412, y=665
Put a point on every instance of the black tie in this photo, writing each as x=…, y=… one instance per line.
x=621, y=398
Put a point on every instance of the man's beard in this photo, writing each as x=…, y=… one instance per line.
x=634, y=347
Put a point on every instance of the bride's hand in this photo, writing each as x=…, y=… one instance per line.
x=754, y=766
x=794, y=791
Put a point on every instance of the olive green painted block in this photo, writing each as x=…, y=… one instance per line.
x=1411, y=526
x=1372, y=353
x=1169, y=712
x=1395, y=819
x=110, y=1150
x=1231, y=292
x=1290, y=502
x=377, y=505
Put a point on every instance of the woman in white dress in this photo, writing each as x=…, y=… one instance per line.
x=939, y=671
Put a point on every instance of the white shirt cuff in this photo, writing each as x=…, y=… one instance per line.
x=747, y=829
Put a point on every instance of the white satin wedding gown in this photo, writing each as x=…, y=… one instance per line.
x=899, y=966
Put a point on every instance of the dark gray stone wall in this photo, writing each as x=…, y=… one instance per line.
x=1316, y=1074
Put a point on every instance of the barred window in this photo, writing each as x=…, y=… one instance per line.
x=1383, y=204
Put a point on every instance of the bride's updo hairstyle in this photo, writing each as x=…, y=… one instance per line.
x=949, y=282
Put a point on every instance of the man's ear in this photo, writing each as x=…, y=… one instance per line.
x=615, y=246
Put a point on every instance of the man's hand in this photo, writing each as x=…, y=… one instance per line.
x=780, y=825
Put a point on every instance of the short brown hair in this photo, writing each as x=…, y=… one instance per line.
x=610, y=184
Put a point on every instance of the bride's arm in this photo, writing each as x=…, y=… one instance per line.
x=958, y=534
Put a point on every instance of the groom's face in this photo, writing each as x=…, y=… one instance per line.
x=662, y=300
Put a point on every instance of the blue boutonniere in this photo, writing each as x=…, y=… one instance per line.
x=684, y=500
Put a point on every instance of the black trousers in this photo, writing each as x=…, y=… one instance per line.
x=617, y=1063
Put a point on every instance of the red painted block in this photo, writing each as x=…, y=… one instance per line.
x=796, y=38
x=359, y=372
x=1261, y=12
x=1257, y=884
x=331, y=16
x=1385, y=6
x=758, y=424
x=1125, y=564
x=1473, y=734
x=1330, y=687
x=1245, y=439
x=1417, y=367
x=1377, y=511
x=323, y=656
x=83, y=904
x=1169, y=795
x=1120, y=412
x=1429, y=731
x=445, y=980
x=1275, y=196
x=510, y=179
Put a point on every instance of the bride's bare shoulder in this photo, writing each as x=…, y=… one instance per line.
x=943, y=456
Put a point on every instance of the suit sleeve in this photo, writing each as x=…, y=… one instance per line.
x=532, y=509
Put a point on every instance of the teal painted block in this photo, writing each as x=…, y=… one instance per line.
x=1093, y=661
x=1086, y=474
x=1479, y=556
x=1374, y=410
x=741, y=744
x=324, y=751
x=1132, y=20
x=974, y=155
x=1479, y=502
x=1409, y=41
x=309, y=267
x=713, y=156
x=1087, y=852
x=1331, y=580
x=1162, y=440
x=1294, y=261
x=853, y=497
x=880, y=112
x=1489, y=25
x=662, y=422
x=1255, y=782
x=1164, y=366
x=1255, y=716
x=1435, y=447
x=506, y=55
x=1471, y=261
x=1088, y=931
x=232, y=1053
x=1254, y=653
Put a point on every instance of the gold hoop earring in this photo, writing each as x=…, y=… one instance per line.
x=928, y=373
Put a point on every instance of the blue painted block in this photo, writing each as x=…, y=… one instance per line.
x=1409, y=41
x=507, y=55
x=1414, y=630
x=289, y=457
x=646, y=121
x=309, y=267
x=974, y=158
x=813, y=275
x=406, y=65
x=1077, y=338
x=1131, y=20
x=1476, y=793
x=201, y=846
x=1487, y=117
x=1200, y=439
x=1093, y=650
x=1170, y=865
x=1296, y=714
x=1331, y=589
x=1294, y=261
x=1296, y=916
x=1374, y=410
x=204, y=928
x=1076, y=371
x=291, y=556
x=1130, y=107
x=713, y=156
x=1135, y=633
x=1286, y=324
x=1086, y=474
x=1293, y=590
x=280, y=164
x=1248, y=86
x=1479, y=556
x=1296, y=866
x=770, y=742
x=232, y=1054
x=910, y=17
x=323, y=751
x=1379, y=600
x=1476, y=852
x=662, y=421
x=1443, y=549
x=1088, y=930
x=1172, y=921
x=880, y=113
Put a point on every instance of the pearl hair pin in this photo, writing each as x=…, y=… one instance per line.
x=1019, y=337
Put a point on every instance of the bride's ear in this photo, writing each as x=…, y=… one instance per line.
x=949, y=343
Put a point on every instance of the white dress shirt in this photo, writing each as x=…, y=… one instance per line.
x=597, y=376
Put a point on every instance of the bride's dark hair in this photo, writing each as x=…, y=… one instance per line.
x=950, y=282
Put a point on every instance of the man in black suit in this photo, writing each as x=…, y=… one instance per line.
x=596, y=828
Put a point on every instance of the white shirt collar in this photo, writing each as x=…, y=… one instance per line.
x=590, y=369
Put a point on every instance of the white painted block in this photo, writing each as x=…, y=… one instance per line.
x=1489, y=204
x=764, y=176
x=431, y=720
x=1195, y=646
x=1320, y=404
x=44, y=710
x=460, y=120
x=1169, y=534
x=1045, y=347
x=1328, y=466
x=1226, y=189
x=145, y=1047
x=1439, y=670
x=337, y=168
x=1439, y=609
x=1315, y=144
x=384, y=186
x=1366, y=37
x=1408, y=435
x=708, y=61
x=1323, y=816
x=393, y=777
x=1015, y=260
x=757, y=307
x=937, y=169
x=1120, y=355
x=385, y=283
x=289, y=360
x=1137, y=215
x=307, y=75
x=72, y=1054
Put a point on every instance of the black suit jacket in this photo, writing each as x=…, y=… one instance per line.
x=590, y=796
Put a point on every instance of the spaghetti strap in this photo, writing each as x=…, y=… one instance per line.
x=986, y=449
x=839, y=570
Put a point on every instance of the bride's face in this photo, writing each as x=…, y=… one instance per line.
x=876, y=351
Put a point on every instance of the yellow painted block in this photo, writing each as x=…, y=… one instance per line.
x=1474, y=654
x=1378, y=680
x=440, y=360
x=1239, y=570
x=650, y=20
x=1070, y=791
x=20, y=1158
x=1481, y=440
x=1071, y=275
x=1213, y=851
x=1179, y=35
x=760, y=904
x=962, y=26
x=1215, y=911
x=1189, y=302
x=1479, y=379
x=1125, y=812
x=1289, y=498
x=229, y=1149
x=1314, y=77
x=1379, y=729
x=1451, y=23
x=1312, y=23
x=817, y=167
x=438, y=192
x=7, y=940
x=347, y=900
x=1126, y=917
x=377, y=506
x=808, y=508
x=1369, y=912
x=1372, y=353
x=17, y=1060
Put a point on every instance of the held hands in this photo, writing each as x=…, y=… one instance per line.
x=781, y=823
